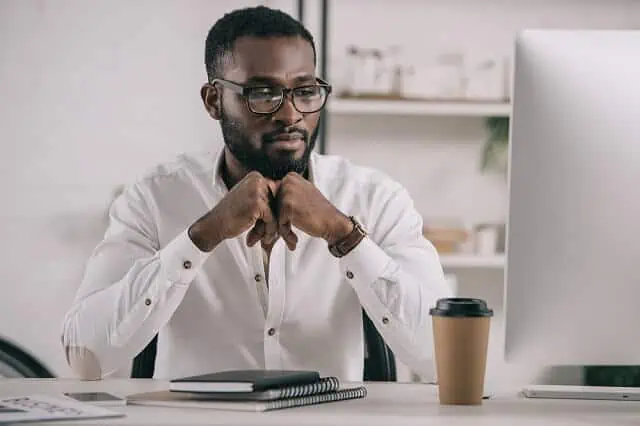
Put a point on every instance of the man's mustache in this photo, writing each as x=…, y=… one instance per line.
x=271, y=136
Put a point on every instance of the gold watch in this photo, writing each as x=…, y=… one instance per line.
x=342, y=247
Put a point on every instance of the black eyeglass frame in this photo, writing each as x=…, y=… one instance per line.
x=245, y=91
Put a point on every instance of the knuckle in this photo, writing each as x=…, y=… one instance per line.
x=288, y=204
x=254, y=193
x=286, y=208
x=254, y=174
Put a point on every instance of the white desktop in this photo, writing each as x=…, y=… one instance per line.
x=572, y=280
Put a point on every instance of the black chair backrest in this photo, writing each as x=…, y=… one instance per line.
x=145, y=362
x=379, y=365
x=16, y=362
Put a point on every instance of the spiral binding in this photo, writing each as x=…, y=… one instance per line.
x=324, y=385
x=353, y=393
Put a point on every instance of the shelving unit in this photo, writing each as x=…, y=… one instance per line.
x=341, y=104
x=346, y=106
x=459, y=261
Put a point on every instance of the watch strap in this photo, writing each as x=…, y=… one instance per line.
x=343, y=246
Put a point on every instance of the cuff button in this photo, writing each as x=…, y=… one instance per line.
x=186, y=264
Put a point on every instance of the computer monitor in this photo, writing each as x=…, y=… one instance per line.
x=572, y=287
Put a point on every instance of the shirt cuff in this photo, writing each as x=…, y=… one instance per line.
x=365, y=263
x=181, y=259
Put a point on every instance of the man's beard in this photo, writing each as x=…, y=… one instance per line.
x=257, y=159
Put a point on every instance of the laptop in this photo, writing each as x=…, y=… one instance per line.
x=613, y=393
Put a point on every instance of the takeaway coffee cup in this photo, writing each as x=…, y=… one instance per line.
x=461, y=339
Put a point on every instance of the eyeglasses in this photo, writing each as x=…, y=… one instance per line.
x=268, y=99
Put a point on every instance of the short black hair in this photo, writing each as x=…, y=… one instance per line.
x=259, y=21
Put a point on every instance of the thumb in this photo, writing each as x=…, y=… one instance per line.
x=288, y=236
x=256, y=233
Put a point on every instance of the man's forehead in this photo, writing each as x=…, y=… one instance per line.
x=282, y=57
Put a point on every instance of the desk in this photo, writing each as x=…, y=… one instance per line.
x=388, y=404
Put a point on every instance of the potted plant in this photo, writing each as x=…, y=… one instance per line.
x=496, y=148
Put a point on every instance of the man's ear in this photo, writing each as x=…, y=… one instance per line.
x=211, y=100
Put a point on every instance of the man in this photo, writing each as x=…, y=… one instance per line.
x=263, y=254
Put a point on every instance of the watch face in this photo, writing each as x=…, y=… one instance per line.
x=358, y=224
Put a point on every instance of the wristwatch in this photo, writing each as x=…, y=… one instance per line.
x=342, y=247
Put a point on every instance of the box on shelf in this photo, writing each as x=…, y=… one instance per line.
x=485, y=77
x=447, y=236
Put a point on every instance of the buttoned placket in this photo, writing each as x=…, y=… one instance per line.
x=259, y=277
x=271, y=298
x=275, y=294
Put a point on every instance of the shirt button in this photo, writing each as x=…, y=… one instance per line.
x=186, y=264
x=147, y=302
x=258, y=278
x=385, y=320
x=271, y=331
x=349, y=274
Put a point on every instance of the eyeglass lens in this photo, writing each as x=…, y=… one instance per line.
x=306, y=99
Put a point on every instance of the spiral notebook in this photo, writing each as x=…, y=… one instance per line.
x=243, y=380
x=324, y=385
x=300, y=396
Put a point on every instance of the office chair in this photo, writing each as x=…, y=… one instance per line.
x=15, y=362
x=379, y=365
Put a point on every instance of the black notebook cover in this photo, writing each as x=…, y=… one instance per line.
x=324, y=385
x=243, y=380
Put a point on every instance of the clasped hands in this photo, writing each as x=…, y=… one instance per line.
x=268, y=209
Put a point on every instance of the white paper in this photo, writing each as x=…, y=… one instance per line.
x=44, y=407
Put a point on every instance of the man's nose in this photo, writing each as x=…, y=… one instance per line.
x=287, y=114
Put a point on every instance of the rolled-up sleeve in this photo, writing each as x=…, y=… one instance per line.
x=130, y=289
x=397, y=276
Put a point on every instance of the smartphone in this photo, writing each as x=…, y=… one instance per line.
x=97, y=398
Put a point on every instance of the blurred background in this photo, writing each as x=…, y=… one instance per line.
x=95, y=92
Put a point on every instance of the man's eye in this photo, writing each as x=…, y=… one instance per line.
x=307, y=91
x=265, y=93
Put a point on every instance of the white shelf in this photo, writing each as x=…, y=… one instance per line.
x=410, y=107
x=472, y=261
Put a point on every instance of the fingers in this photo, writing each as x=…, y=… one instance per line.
x=289, y=237
x=285, y=219
x=266, y=226
x=274, y=215
x=273, y=187
x=270, y=225
x=256, y=233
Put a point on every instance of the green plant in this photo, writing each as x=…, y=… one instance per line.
x=495, y=148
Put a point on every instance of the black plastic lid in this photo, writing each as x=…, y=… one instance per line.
x=461, y=307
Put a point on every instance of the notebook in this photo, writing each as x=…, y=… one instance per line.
x=200, y=400
x=243, y=380
x=324, y=385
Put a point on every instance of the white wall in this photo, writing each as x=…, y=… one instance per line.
x=92, y=93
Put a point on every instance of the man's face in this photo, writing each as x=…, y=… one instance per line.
x=281, y=142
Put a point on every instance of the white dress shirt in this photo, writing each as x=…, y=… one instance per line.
x=213, y=311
